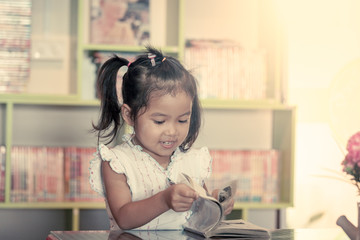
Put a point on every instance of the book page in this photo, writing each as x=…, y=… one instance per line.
x=184, y=178
x=206, y=211
x=205, y=215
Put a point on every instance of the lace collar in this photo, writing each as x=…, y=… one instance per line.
x=128, y=139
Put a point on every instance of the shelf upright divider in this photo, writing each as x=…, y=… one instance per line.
x=75, y=219
x=79, y=47
x=8, y=144
x=181, y=35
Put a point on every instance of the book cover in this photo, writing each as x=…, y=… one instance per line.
x=124, y=22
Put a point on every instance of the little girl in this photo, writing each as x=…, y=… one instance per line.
x=138, y=178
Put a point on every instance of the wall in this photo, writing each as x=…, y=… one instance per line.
x=323, y=41
x=52, y=47
x=230, y=19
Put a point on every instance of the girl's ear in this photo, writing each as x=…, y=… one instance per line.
x=126, y=114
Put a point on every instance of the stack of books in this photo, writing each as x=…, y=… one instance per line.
x=15, y=35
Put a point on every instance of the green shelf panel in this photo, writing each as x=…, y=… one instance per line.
x=242, y=104
x=53, y=205
x=44, y=99
x=28, y=97
x=101, y=205
x=122, y=48
x=260, y=205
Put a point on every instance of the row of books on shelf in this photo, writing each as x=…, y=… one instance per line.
x=226, y=70
x=49, y=174
x=15, y=36
x=59, y=174
x=255, y=171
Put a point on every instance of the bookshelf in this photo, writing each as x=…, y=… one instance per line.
x=256, y=124
x=61, y=114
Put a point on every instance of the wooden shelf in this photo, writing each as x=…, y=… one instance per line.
x=43, y=99
x=121, y=48
x=241, y=104
x=54, y=205
x=260, y=205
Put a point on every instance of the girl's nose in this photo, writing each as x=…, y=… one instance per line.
x=171, y=129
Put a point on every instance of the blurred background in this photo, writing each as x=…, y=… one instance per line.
x=314, y=49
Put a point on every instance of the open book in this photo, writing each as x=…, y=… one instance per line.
x=207, y=217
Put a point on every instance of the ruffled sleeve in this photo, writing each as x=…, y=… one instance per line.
x=205, y=162
x=197, y=163
x=95, y=174
x=103, y=154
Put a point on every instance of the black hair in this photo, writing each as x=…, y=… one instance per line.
x=150, y=72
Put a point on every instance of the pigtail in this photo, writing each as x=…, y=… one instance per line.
x=110, y=118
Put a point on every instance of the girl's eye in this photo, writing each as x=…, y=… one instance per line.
x=158, y=122
x=183, y=121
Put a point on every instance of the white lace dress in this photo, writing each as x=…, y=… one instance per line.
x=146, y=177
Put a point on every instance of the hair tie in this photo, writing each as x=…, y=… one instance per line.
x=152, y=59
x=163, y=59
x=129, y=64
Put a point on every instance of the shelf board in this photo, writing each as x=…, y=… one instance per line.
x=260, y=205
x=242, y=104
x=45, y=99
x=75, y=100
x=53, y=205
x=101, y=205
x=124, y=48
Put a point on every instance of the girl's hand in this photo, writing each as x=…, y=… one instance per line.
x=228, y=204
x=179, y=197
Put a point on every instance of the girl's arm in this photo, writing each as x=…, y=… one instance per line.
x=128, y=214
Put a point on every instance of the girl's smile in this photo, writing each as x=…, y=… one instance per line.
x=168, y=144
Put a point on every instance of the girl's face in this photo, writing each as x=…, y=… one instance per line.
x=164, y=125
